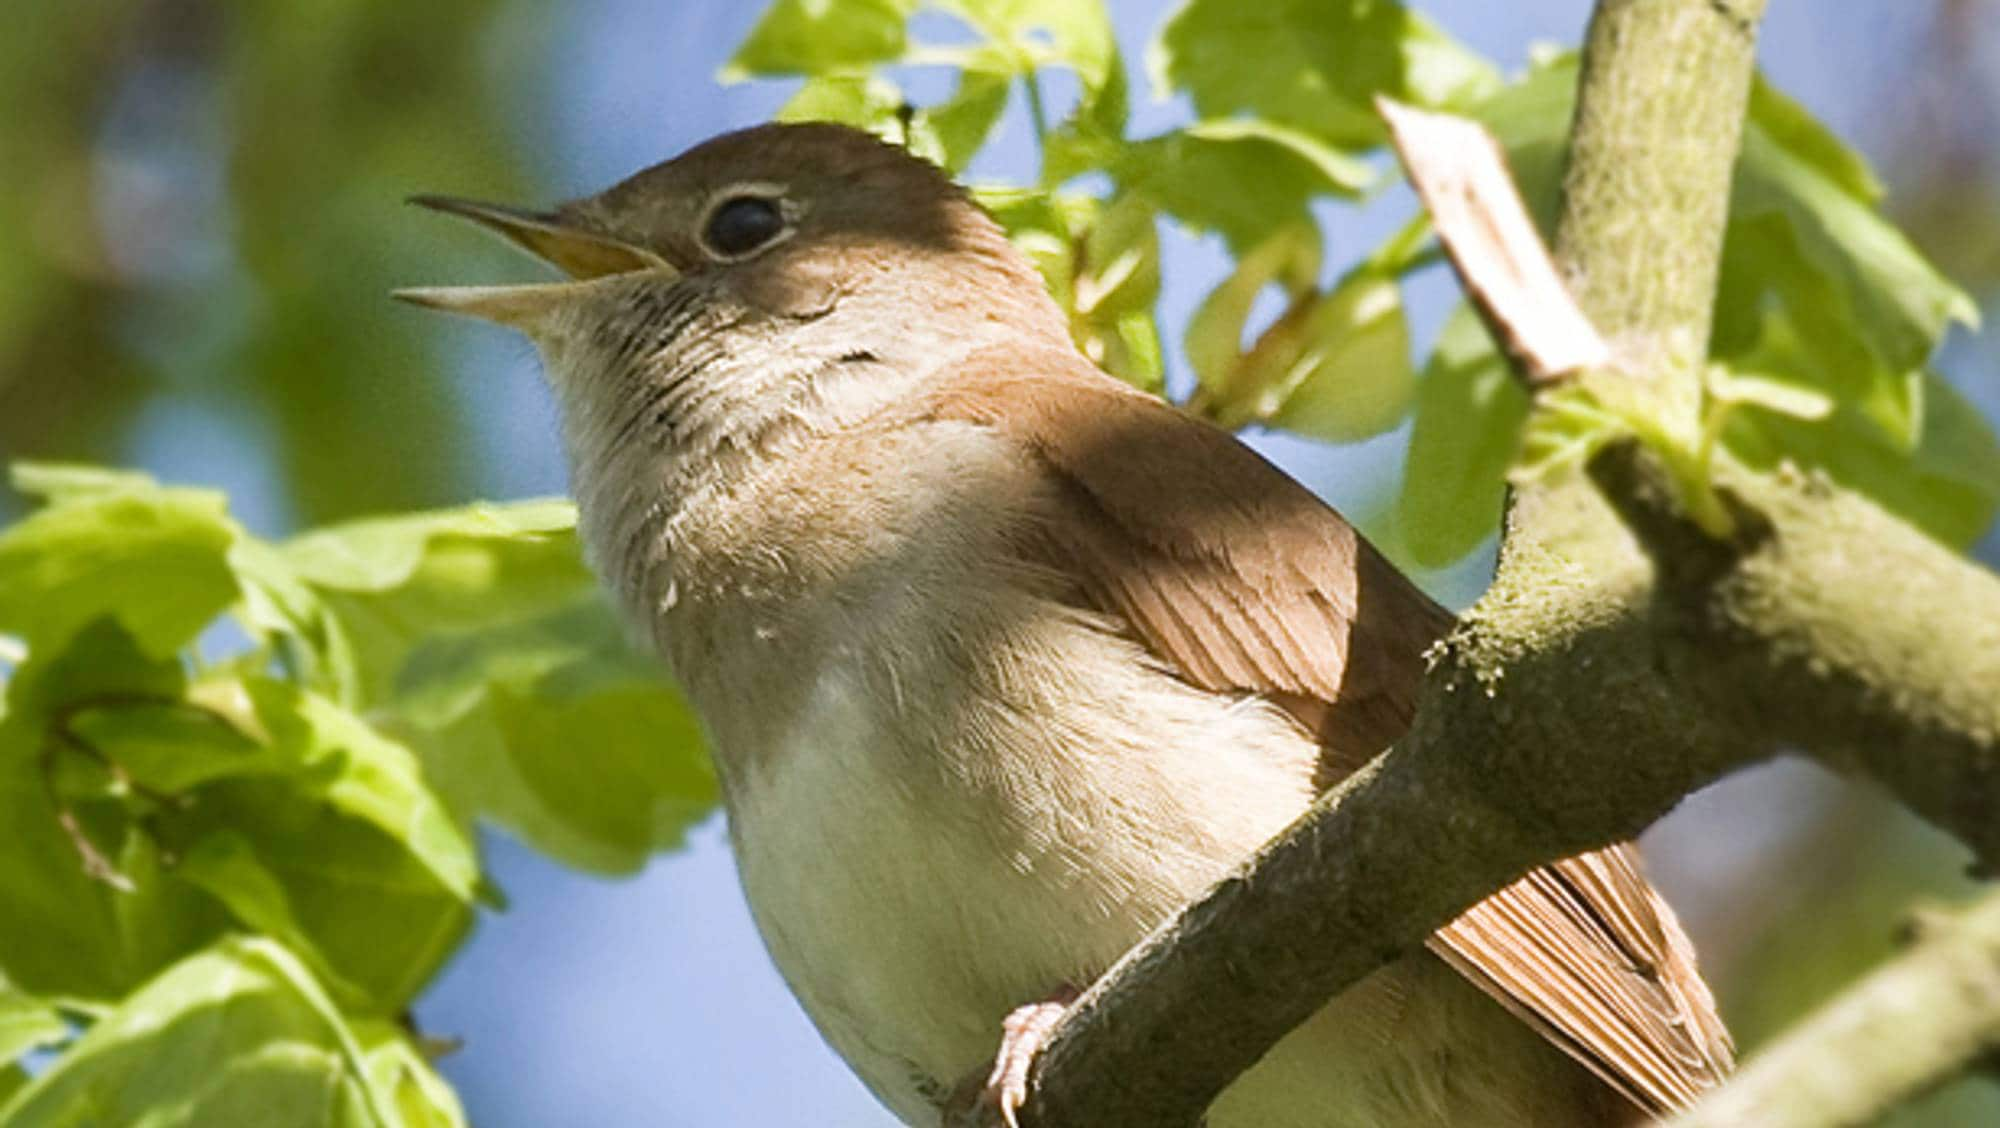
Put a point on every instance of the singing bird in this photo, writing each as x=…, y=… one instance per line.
x=1003, y=661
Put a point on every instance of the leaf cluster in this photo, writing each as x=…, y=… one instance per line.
x=239, y=779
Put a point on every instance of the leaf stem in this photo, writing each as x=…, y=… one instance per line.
x=1037, y=114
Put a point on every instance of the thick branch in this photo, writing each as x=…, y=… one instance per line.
x=1833, y=628
x=1659, y=115
x=1941, y=1000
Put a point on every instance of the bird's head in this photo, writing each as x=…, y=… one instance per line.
x=777, y=282
x=786, y=244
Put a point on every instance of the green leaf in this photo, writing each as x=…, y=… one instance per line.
x=90, y=940
x=1867, y=308
x=393, y=582
x=475, y=629
x=1469, y=412
x=960, y=124
x=369, y=906
x=949, y=134
x=154, y=558
x=554, y=730
x=864, y=101
x=1241, y=179
x=811, y=37
x=237, y=1034
x=399, y=1071
x=1334, y=365
x=1796, y=131
x=58, y=483
x=1748, y=389
x=1948, y=485
x=1101, y=265
x=1073, y=33
x=224, y=864
x=461, y=552
x=1312, y=65
x=1343, y=365
x=1213, y=340
x=27, y=1023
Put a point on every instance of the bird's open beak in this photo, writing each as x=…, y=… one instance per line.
x=583, y=255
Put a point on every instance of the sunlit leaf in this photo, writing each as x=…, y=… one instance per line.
x=154, y=558
x=400, y=1072
x=551, y=728
x=1241, y=179
x=392, y=582
x=1314, y=66
x=820, y=36
x=237, y=1034
x=1072, y=33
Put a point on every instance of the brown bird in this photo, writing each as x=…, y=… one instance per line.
x=1003, y=661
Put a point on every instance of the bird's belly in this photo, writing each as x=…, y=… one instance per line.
x=909, y=916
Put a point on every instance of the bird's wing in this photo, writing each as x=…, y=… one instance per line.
x=1244, y=581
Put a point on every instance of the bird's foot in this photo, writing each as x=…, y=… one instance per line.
x=1022, y=1033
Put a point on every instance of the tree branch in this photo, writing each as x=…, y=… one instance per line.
x=1941, y=1000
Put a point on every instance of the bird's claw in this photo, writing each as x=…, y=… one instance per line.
x=1022, y=1034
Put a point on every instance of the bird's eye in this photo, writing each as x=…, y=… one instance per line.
x=742, y=225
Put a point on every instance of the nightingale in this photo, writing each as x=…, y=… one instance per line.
x=1003, y=661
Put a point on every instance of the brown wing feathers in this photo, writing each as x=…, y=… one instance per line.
x=1242, y=580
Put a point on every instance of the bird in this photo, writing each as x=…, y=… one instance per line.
x=1002, y=661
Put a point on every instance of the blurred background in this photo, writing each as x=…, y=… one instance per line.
x=200, y=217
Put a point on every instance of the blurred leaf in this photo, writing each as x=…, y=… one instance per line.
x=27, y=1023
x=153, y=557
x=1334, y=365
x=57, y=483
x=812, y=37
x=1073, y=33
x=237, y=1034
x=1101, y=265
x=1117, y=283
x=1469, y=412
x=1867, y=308
x=864, y=101
x=1312, y=65
x=962, y=122
x=1341, y=363
x=1744, y=389
x=1949, y=486
x=1793, y=128
x=399, y=1071
x=1213, y=342
x=1241, y=179
x=948, y=134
